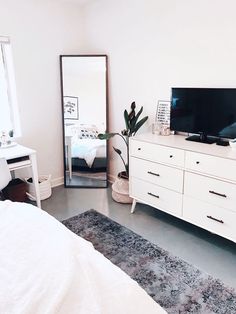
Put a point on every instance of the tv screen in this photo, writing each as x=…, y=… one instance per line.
x=211, y=111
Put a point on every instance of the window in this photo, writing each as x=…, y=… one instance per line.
x=9, y=115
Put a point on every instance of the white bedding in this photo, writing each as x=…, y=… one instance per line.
x=45, y=268
x=88, y=149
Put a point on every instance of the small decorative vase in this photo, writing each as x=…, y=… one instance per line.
x=120, y=189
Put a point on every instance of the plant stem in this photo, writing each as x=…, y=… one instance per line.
x=123, y=162
x=126, y=142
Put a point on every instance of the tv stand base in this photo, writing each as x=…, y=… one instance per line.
x=201, y=139
x=221, y=142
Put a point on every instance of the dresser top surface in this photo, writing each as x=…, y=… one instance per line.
x=179, y=141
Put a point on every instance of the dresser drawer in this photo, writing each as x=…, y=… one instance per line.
x=215, y=166
x=156, y=196
x=155, y=173
x=213, y=191
x=157, y=153
x=215, y=219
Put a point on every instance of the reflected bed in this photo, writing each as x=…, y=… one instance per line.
x=85, y=152
x=89, y=150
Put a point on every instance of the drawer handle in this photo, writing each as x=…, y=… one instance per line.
x=153, y=173
x=154, y=195
x=219, y=194
x=197, y=162
x=171, y=156
x=210, y=217
x=139, y=148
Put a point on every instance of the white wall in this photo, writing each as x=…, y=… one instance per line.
x=41, y=30
x=153, y=45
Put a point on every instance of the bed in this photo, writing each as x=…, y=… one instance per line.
x=85, y=152
x=89, y=150
x=45, y=268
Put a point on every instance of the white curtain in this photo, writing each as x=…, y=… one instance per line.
x=9, y=114
x=5, y=112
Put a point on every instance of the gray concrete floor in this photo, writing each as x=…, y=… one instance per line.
x=208, y=252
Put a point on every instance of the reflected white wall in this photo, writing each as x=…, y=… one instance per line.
x=85, y=78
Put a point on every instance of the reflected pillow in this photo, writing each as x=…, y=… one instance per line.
x=88, y=133
x=82, y=131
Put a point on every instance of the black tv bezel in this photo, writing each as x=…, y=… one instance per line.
x=200, y=136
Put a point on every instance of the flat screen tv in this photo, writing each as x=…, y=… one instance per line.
x=210, y=112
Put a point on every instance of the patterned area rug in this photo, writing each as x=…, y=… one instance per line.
x=176, y=285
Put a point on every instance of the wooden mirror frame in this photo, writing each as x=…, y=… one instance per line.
x=63, y=119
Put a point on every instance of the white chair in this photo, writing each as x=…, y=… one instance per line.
x=5, y=175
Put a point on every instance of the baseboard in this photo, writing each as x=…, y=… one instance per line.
x=60, y=181
x=57, y=181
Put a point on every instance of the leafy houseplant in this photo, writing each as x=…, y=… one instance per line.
x=133, y=124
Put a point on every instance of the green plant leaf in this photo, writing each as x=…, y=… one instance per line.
x=105, y=136
x=124, y=132
x=126, y=117
x=131, y=115
x=118, y=151
x=138, y=114
x=139, y=124
x=133, y=123
x=133, y=105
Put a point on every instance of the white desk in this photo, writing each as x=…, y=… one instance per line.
x=30, y=160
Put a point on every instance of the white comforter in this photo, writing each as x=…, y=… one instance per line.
x=45, y=268
x=89, y=149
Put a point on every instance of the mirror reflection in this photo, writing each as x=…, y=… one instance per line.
x=84, y=101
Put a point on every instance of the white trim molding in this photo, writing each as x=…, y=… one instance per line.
x=57, y=181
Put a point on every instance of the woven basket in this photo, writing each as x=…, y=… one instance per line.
x=120, y=191
x=44, y=187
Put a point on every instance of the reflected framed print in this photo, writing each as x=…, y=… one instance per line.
x=71, y=107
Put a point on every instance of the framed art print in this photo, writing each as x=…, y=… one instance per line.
x=163, y=112
x=71, y=107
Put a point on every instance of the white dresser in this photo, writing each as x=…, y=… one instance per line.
x=192, y=181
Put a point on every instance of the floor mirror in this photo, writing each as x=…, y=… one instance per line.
x=84, y=115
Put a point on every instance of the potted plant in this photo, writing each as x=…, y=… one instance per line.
x=133, y=122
